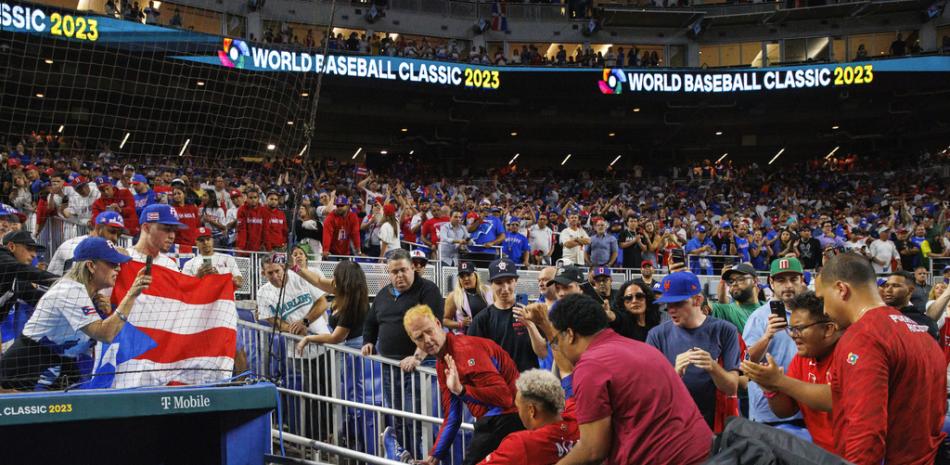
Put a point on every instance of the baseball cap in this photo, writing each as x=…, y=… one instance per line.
x=79, y=181
x=466, y=267
x=21, y=237
x=235, y=193
x=657, y=288
x=13, y=162
x=110, y=218
x=600, y=271
x=646, y=263
x=679, y=286
x=104, y=181
x=786, y=265
x=514, y=220
x=162, y=214
x=725, y=224
x=129, y=168
x=97, y=248
x=203, y=232
x=389, y=209
x=742, y=268
x=139, y=179
x=945, y=269
x=342, y=200
x=31, y=167
x=700, y=228
x=502, y=268
x=567, y=275
x=418, y=255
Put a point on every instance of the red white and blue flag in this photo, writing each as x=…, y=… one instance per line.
x=182, y=330
x=499, y=19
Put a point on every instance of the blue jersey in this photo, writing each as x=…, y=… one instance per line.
x=514, y=246
x=742, y=248
x=143, y=200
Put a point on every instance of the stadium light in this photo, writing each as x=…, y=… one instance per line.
x=290, y=123
x=304, y=94
x=615, y=160
x=776, y=156
x=832, y=152
x=39, y=95
x=636, y=110
x=358, y=150
x=404, y=130
x=384, y=152
x=61, y=127
x=184, y=147
x=412, y=152
x=201, y=83
x=718, y=133
x=271, y=147
x=124, y=140
x=48, y=61
x=568, y=157
x=611, y=134
x=304, y=149
x=514, y=158
x=723, y=157
x=834, y=127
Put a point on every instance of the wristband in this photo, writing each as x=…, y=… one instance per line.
x=306, y=322
x=122, y=316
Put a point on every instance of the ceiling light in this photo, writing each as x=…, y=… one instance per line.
x=776, y=156
x=611, y=134
x=271, y=147
x=568, y=157
x=39, y=95
x=201, y=83
x=48, y=61
x=383, y=152
x=514, y=134
x=404, y=130
x=636, y=110
x=304, y=94
x=358, y=150
x=718, y=133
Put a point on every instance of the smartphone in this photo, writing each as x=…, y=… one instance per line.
x=778, y=309
x=148, y=265
x=522, y=299
x=207, y=261
x=678, y=256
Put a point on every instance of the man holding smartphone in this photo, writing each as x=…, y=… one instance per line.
x=764, y=332
x=207, y=261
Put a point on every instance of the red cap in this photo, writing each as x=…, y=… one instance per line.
x=235, y=193
x=389, y=209
x=31, y=167
x=50, y=171
x=646, y=263
x=13, y=162
x=203, y=232
x=472, y=215
x=80, y=180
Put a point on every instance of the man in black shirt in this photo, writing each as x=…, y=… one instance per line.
x=631, y=243
x=809, y=249
x=646, y=273
x=896, y=292
x=600, y=285
x=384, y=333
x=502, y=322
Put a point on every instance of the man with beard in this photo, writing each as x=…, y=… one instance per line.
x=646, y=273
x=251, y=218
x=896, y=292
x=744, y=289
x=275, y=230
x=600, y=285
x=631, y=242
x=765, y=332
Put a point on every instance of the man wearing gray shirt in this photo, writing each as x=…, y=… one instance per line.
x=452, y=235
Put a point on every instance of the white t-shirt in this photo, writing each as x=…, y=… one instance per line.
x=541, y=239
x=389, y=236
x=60, y=316
x=222, y=262
x=299, y=297
x=883, y=250
x=63, y=255
x=161, y=260
x=574, y=254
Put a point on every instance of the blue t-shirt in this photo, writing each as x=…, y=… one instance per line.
x=514, y=246
x=694, y=244
x=718, y=337
x=488, y=231
x=782, y=348
x=143, y=200
x=742, y=248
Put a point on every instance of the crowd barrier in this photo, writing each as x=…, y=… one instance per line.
x=334, y=399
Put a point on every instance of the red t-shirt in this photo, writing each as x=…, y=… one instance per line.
x=889, y=391
x=815, y=371
x=430, y=229
x=656, y=422
x=189, y=216
x=543, y=446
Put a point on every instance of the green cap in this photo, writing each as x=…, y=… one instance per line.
x=786, y=265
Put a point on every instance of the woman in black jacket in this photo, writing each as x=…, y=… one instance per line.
x=635, y=310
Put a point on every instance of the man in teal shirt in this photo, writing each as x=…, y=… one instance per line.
x=744, y=289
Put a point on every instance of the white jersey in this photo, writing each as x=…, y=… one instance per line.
x=80, y=206
x=222, y=262
x=161, y=260
x=60, y=316
x=574, y=254
x=62, y=260
x=299, y=297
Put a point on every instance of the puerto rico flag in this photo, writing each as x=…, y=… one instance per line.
x=499, y=19
x=182, y=330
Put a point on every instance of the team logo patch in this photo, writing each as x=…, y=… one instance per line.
x=783, y=264
x=852, y=358
x=88, y=311
x=666, y=286
x=152, y=216
x=471, y=362
x=502, y=266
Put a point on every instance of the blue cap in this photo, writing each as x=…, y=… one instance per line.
x=881, y=281
x=342, y=200
x=139, y=178
x=110, y=218
x=162, y=214
x=679, y=286
x=97, y=248
x=700, y=228
x=600, y=271
x=657, y=289
x=514, y=219
x=725, y=224
x=945, y=269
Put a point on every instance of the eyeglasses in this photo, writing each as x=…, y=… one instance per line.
x=637, y=296
x=737, y=281
x=796, y=331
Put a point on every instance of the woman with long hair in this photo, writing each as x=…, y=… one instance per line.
x=651, y=239
x=636, y=311
x=388, y=230
x=469, y=297
x=66, y=323
x=786, y=245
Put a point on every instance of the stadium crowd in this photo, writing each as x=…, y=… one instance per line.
x=824, y=352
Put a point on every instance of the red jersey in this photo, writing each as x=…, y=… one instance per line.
x=250, y=227
x=889, y=391
x=406, y=226
x=189, y=216
x=815, y=371
x=545, y=445
x=430, y=229
x=488, y=374
x=339, y=232
x=275, y=232
x=123, y=198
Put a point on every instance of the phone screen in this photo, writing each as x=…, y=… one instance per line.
x=778, y=309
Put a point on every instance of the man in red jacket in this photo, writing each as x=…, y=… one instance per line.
x=341, y=230
x=275, y=231
x=117, y=200
x=251, y=218
x=188, y=215
x=483, y=379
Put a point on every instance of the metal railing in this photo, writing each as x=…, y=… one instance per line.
x=336, y=396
